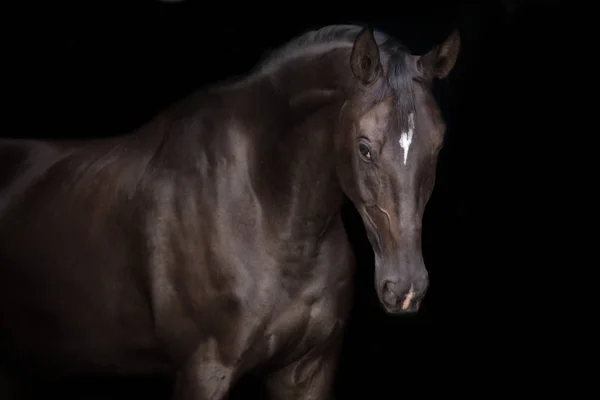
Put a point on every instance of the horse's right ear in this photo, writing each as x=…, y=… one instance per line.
x=439, y=61
x=364, y=59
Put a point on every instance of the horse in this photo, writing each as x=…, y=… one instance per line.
x=208, y=242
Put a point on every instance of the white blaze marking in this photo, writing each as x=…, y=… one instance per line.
x=406, y=137
x=408, y=299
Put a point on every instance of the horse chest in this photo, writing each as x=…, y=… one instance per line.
x=312, y=313
x=300, y=324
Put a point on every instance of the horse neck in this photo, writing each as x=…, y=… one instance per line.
x=296, y=166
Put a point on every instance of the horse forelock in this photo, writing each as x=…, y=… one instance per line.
x=400, y=81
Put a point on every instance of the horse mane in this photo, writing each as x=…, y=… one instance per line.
x=322, y=40
x=314, y=43
x=318, y=41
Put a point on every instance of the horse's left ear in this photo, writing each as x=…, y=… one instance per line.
x=439, y=61
x=364, y=59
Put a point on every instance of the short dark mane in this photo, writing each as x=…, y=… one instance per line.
x=325, y=38
x=393, y=55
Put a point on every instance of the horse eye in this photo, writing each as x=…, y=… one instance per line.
x=364, y=150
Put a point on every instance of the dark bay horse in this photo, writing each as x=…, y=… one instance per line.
x=209, y=242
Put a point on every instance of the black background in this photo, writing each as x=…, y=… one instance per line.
x=75, y=72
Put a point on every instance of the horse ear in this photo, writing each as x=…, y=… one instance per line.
x=439, y=61
x=364, y=59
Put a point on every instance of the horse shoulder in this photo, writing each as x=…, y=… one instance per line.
x=201, y=234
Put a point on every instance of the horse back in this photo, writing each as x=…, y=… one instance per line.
x=106, y=244
x=71, y=286
x=120, y=250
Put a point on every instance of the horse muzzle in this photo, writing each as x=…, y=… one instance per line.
x=403, y=296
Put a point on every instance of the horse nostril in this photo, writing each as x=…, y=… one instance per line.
x=389, y=286
x=388, y=293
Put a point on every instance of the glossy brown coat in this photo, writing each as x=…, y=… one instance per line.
x=209, y=242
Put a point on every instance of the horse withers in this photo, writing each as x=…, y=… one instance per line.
x=209, y=242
